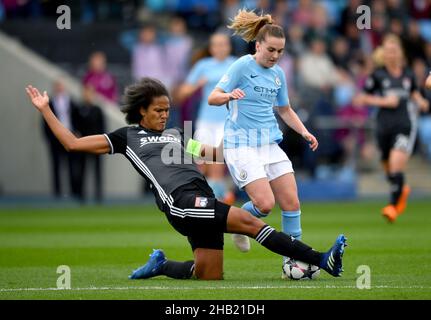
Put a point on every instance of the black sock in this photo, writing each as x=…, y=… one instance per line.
x=396, y=181
x=178, y=270
x=286, y=245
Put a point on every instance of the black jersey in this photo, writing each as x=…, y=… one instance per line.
x=159, y=157
x=382, y=83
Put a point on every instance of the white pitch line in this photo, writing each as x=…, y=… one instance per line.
x=206, y=288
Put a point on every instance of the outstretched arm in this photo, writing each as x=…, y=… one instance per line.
x=205, y=151
x=96, y=144
x=187, y=89
x=290, y=117
x=390, y=102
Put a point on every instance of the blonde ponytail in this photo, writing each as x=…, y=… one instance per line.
x=247, y=24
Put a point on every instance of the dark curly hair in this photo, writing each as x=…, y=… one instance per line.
x=140, y=95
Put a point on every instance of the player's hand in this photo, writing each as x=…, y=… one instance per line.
x=391, y=101
x=236, y=94
x=312, y=141
x=39, y=101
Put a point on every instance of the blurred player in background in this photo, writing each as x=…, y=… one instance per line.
x=252, y=86
x=180, y=190
x=392, y=89
x=210, y=121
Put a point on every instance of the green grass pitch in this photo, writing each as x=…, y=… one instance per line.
x=102, y=245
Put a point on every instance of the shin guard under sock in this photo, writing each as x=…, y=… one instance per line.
x=286, y=245
x=178, y=270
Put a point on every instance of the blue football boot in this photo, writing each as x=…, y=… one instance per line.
x=152, y=268
x=332, y=260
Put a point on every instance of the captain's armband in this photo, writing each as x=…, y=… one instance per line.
x=194, y=147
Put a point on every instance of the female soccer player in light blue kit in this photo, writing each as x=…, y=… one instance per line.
x=210, y=121
x=252, y=87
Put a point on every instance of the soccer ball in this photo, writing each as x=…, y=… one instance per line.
x=298, y=270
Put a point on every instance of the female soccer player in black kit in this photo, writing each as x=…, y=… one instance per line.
x=181, y=191
x=393, y=90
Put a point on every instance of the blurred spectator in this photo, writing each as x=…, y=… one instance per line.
x=344, y=90
x=334, y=9
x=357, y=39
x=99, y=78
x=348, y=14
x=148, y=57
x=352, y=117
x=340, y=53
x=420, y=9
x=303, y=13
x=91, y=122
x=413, y=43
x=102, y=10
x=229, y=10
x=22, y=8
x=178, y=48
x=396, y=9
x=318, y=76
x=318, y=73
x=287, y=64
x=200, y=15
x=282, y=14
x=396, y=26
x=319, y=25
x=66, y=111
x=378, y=28
x=295, y=40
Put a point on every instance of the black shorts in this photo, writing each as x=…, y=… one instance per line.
x=400, y=138
x=198, y=215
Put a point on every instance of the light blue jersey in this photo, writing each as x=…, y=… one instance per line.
x=251, y=120
x=212, y=70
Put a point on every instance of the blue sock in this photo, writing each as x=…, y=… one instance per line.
x=250, y=207
x=291, y=223
x=218, y=187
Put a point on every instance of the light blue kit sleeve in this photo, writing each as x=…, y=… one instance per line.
x=196, y=73
x=283, y=95
x=232, y=77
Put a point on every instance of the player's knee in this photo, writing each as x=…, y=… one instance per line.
x=265, y=205
x=290, y=203
x=293, y=206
